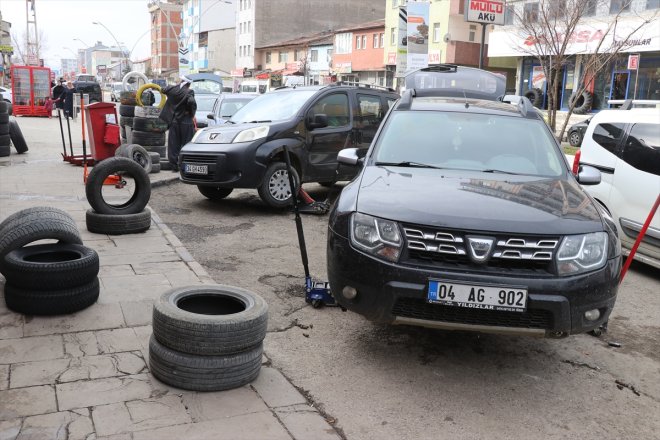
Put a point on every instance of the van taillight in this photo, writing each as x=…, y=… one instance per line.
x=576, y=162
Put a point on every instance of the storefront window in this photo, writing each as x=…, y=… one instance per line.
x=648, y=81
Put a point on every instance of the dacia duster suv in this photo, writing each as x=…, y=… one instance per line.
x=314, y=122
x=466, y=216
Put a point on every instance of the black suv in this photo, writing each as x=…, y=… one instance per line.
x=466, y=216
x=314, y=122
x=92, y=88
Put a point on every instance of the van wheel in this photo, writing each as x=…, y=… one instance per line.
x=275, y=190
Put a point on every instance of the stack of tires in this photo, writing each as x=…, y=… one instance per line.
x=150, y=161
x=208, y=338
x=127, y=105
x=46, y=279
x=5, y=140
x=130, y=216
x=152, y=129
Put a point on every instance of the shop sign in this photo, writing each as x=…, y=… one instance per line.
x=391, y=58
x=434, y=57
x=6, y=49
x=101, y=69
x=485, y=11
x=292, y=66
x=633, y=62
x=237, y=73
x=344, y=67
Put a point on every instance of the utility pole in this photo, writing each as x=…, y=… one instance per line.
x=32, y=34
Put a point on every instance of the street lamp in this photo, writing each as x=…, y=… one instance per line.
x=84, y=44
x=121, y=73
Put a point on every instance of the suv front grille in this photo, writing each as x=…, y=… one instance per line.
x=198, y=158
x=448, y=249
x=420, y=309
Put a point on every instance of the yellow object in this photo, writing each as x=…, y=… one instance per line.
x=138, y=94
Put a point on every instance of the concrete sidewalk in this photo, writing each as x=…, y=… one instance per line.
x=86, y=375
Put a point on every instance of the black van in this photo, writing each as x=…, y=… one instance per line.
x=314, y=122
x=92, y=88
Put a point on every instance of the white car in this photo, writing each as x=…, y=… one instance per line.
x=625, y=146
x=6, y=94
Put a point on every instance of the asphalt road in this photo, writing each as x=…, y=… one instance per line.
x=380, y=382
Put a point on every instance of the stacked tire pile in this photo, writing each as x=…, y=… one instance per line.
x=148, y=129
x=129, y=217
x=10, y=132
x=148, y=160
x=127, y=104
x=208, y=338
x=46, y=279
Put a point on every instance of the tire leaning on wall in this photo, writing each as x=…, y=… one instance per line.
x=584, y=102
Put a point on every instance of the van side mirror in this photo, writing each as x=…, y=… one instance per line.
x=349, y=156
x=588, y=175
x=320, y=121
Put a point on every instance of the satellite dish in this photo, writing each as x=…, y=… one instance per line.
x=447, y=37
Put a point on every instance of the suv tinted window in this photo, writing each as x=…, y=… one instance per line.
x=608, y=135
x=642, y=149
x=336, y=107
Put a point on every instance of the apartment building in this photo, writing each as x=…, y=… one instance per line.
x=358, y=53
x=165, y=30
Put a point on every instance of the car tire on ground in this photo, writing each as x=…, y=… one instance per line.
x=146, y=139
x=535, y=95
x=160, y=149
x=4, y=129
x=214, y=192
x=4, y=118
x=204, y=373
x=138, y=154
x=155, y=168
x=52, y=302
x=151, y=125
x=5, y=150
x=126, y=121
x=583, y=104
x=112, y=165
x=51, y=266
x=147, y=112
x=574, y=138
x=118, y=224
x=5, y=140
x=210, y=320
x=36, y=212
x=275, y=190
x=127, y=98
x=126, y=110
x=165, y=165
x=17, y=136
x=4, y=106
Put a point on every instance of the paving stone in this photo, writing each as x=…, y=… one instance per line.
x=122, y=270
x=11, y=325
x=103, y=391
x=30, y=349
x=276, y=391
x=4, y=377
x=137, y=245
x=80, y=344
x=132, y=288
x=37, y=373
x=126, y=436
x=143, y=334
x=117, y=340
x=181, y=279
x=139, y=415
x=153, y=257
x=30, y=401
x=66, y=425
x=138, y=313
x=305, y=423
x=159, y=268
x=230, y=403
x=254, y=426
x=96, y=317
x=9, y=429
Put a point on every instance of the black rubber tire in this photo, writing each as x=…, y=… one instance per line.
x=217, y=319
x=160, y=149
x=277, y=171
x=165, y=165
x=155, y=167
x=51, y=302
x=574, y=138
x=584, y=102
x=155, y=157
x=4, y=118
x=214, y=192
x=118, y=224
x=204, y=373
x=147, y=112
x=535, y=95
x=149, y=125
x=4, y=106
x=138, y=154
x=5, y=150
x=122, y=133
x=127, y=98
x=112, y=165
x=5, y=140
x=126, y=110
x=126, y=121
x=121, y=150
x=146, y=139
x=4, y=129
x=51, y=266
x=17, y=136
x=40, y=228
x=10, y=109
x=36, y=212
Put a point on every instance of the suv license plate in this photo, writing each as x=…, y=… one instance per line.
x=195, y=169
x=502, y=298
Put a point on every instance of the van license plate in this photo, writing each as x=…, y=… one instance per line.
x=502, y=298
x=195, y=169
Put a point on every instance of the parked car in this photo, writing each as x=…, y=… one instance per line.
x=465, y=216
x=625, y=146
x=576, y=132
x=315, y=122
x=6, y=94
x=92, y=88
x=226, y=105
x=115, y=90
x=204, y=107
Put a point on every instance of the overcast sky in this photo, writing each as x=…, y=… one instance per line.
x=60, y=21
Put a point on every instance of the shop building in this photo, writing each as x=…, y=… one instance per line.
x=358, y=55
x=619, y=80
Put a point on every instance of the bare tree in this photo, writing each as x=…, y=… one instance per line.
x=549, y=27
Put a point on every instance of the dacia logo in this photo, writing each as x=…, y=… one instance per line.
x=479, y=248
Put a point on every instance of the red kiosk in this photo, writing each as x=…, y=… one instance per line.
x=30, y=89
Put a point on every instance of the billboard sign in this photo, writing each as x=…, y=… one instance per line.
x=401, y=43
x=417, y=35
x=485, y=11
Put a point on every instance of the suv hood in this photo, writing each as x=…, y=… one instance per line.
x=466, y=200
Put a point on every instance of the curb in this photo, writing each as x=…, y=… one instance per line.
x=165, y=182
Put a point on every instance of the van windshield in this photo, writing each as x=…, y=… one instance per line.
x=277, y=106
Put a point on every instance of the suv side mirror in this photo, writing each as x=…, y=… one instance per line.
x=210, y=116
x=320, y=121
x=588, y=175
x=349, y=156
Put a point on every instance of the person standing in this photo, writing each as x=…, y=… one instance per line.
x=67, y=98
x=178, y=113
x=57, y=92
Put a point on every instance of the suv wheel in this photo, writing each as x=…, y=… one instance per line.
x=574, y=138
x=214, y=192
x=275, y=190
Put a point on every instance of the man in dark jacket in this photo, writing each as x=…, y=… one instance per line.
x=57, y=93
x=67, y=98
x=178, y=113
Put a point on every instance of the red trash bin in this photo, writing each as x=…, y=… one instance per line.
x=102, y=128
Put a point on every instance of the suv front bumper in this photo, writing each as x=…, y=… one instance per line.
x=397, y=294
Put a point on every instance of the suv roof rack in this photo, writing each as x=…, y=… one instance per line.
x=524, y=105
x=363, y=85
x=408, y=95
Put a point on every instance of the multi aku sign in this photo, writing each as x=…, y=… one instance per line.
x=485, y=11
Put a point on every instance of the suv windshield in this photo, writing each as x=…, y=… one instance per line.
x=469, y=141
x=277, y=106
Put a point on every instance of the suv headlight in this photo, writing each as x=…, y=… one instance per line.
x=251, y=134
x=582, y=253
x=376, y=236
